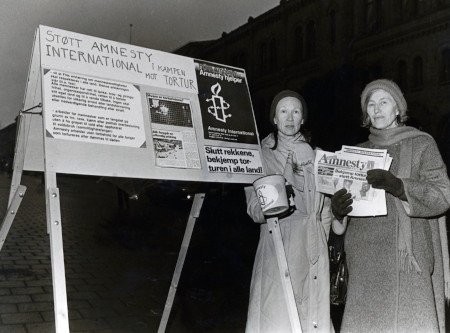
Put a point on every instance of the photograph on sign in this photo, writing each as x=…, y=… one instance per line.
x=173, y=132
x=170, y=111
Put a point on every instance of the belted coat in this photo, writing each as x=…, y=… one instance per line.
x=304, y=235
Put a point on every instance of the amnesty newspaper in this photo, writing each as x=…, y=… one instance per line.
x=347, y=168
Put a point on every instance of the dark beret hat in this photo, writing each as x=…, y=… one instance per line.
x=287, y=93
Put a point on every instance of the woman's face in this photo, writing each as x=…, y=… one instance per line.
x=289, y=116
x=382, y=110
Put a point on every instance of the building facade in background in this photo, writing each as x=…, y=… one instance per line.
x=329, y=50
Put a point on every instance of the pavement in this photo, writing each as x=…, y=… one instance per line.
x=120, y=259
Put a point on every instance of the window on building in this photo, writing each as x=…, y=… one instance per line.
x=298, y=44
x=402, y=76
x=239, y=60
x=417, y=73
x=413, y=7
x=373, y=15
x=273, y=61
x=263, y=59
x=398, y=8
x=242, y=60
x=445, y=66
x=332, y=27
x=310, y=39
x=234, y=60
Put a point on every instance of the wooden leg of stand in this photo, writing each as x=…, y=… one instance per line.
x=57, y=255
x=195, y=213
x=11, y=213
x=284, y=274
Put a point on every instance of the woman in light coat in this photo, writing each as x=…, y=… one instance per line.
x=395, y=262
x=286, y=151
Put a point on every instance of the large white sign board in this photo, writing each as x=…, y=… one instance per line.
x=98, y=107
x=113, y=109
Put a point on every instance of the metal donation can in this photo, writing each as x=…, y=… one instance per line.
x=271, y=192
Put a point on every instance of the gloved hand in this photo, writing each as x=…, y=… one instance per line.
x=385, y=180
x=341, y=204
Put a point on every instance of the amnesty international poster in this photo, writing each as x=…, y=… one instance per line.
x=224, y=101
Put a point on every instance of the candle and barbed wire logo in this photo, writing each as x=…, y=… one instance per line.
x=262, y=198
x=219, y=105
x=267, y=195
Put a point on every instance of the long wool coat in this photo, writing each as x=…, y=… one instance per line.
x=305, y=229
x=380, y=296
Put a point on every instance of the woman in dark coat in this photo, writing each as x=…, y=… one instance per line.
x=395, y=262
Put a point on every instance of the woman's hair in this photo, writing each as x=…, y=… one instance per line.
x=392, y=89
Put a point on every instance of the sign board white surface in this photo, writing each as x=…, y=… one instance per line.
x=113, y=109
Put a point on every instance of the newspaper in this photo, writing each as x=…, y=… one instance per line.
x=173, y=132
x=347, y=168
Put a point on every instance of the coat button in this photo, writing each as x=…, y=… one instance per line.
x=315, y=277
x=315, y=324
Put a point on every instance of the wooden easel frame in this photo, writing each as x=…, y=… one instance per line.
x=54, y=227
x=195, y=213
x=41, y=156
x=283, y=268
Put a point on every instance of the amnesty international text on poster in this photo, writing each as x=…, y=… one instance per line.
x=225, y=103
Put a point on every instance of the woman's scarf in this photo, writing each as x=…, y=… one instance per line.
x=293, y=155
x=388, y=137
x=404, y=136
x=394, y=135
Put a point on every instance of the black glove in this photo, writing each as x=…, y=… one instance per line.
x=341, y=204
x=385, y=180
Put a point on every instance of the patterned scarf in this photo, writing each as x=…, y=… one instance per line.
x=293, y=155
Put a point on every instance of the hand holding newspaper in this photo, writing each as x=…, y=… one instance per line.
x=347, y=168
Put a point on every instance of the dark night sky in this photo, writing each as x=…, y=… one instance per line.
x=160, y=25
